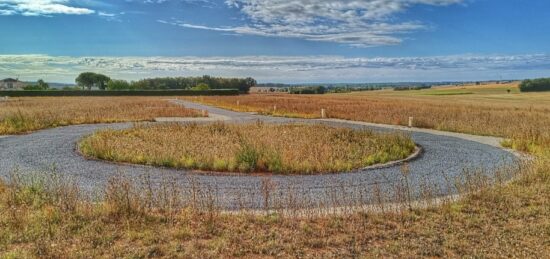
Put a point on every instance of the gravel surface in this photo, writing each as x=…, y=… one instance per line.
x=445, y=158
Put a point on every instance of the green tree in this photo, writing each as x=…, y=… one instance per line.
x=89, y=80
x=39, y=86
x=101, y=81
x=43, y=85
x=249, y=82
x=118, y=85
x=201, y=87
x=535, y=85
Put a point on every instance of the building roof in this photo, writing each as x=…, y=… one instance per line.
x=10, y=80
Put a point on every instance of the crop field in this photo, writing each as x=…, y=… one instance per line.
x=22, y=115
x=299, y=149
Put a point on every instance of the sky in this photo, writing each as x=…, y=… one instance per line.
x=283, y=41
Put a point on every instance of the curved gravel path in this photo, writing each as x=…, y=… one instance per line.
x=445, y=158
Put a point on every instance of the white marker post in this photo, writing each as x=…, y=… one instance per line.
x=411, y=120
x=238, y=103
x=323, y=113
x=274, y=108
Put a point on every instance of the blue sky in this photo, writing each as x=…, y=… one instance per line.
x=277, y=40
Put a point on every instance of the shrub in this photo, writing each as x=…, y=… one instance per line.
x=201, y=87
x=118, y=85
x=40, y=85
x=247, y=158
x=535, y=85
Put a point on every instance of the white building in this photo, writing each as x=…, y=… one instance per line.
x=11, y=84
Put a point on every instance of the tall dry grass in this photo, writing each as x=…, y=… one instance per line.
x=259, y=147
x=525, y=118
x=46, y=216
x=21, y=115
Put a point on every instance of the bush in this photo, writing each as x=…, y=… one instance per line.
x=201, y=87
x=31, y=93
x=535, y=85
x=118, y=85
x=40, y=85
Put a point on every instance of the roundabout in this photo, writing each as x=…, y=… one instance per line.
x=444, y=160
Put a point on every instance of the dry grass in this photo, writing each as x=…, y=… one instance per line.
x=22, y=115
x=524, y=118
x=45, y=218
x=300, y=149
x=511, y=220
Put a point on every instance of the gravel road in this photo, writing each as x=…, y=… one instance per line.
x=446, y=157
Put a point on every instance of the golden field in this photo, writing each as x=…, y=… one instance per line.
x=21, y=115
x=522, y=117
x=287, y=149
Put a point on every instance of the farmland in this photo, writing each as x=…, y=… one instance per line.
x=23, y=115
x=522, y=118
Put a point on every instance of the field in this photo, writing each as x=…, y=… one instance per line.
x=45, y=216
x=22, y=115
x=298, y=149
x=523, y=118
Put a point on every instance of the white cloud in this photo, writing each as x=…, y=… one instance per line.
x=41, y=8
x=283, y=69
x=360, y=23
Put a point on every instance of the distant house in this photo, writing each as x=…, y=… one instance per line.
x=11, y=84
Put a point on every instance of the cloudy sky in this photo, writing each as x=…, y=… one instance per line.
x=290, y=41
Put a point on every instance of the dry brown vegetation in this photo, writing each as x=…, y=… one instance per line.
x=259, y=147
x=524, y=118
x=21, y=115
x=44, y=217
x=48, y=219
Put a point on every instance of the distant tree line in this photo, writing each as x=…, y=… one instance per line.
x=189, y=83
x=89, y=80
x=535, y=85
x=39, y=86
x=347, y=89
x=307, y=90
x=406, y=88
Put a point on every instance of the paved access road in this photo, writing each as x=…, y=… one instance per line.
x=445, y=158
